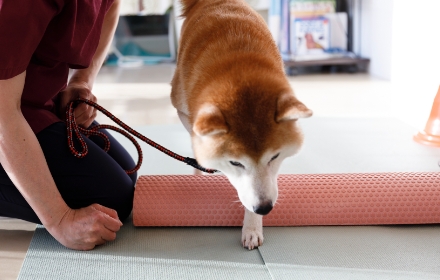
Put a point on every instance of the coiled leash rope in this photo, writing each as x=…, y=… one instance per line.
x=72, y=127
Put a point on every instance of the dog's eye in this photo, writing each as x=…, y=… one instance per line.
x=236, y=163
x=274, y=157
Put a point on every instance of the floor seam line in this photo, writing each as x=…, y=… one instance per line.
x=265, y=265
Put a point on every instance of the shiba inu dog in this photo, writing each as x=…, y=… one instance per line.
x=233, y=97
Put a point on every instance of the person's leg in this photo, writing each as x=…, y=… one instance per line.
x=96, y=178
x=117, y=152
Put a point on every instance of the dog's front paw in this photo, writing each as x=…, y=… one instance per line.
x=251, y=238
x=252, y=231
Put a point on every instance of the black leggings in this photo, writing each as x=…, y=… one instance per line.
x=99, y=177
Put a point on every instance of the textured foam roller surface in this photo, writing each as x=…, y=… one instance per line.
x=309, y=199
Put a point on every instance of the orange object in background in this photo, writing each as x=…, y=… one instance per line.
x=431, y=135
x=303, y=200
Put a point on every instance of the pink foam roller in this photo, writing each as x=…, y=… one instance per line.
x=304, y=200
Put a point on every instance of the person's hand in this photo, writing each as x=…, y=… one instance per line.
x=84, y=114
x=85, y=228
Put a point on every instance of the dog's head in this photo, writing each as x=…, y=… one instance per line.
x=247, y=139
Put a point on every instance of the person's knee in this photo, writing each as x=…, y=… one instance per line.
x=123, y=198
x=125, y=206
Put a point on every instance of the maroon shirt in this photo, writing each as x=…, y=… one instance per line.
x=46, y=38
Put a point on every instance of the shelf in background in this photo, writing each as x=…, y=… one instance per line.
x=351, y=64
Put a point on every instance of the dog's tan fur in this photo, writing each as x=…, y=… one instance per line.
x=229, y=87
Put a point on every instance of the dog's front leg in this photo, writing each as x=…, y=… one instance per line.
x=252, y=232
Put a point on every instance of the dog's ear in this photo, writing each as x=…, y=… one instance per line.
x=209, y=121
x=290, y=108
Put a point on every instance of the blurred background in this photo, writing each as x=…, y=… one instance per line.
x=343, y=57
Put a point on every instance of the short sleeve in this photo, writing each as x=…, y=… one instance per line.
x=22, y=25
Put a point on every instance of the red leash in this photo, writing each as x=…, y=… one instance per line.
x=72, y=127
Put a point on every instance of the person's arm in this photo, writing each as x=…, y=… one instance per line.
x=89, y=74
x=82, y=80
x=18, y=144
x=24, y=162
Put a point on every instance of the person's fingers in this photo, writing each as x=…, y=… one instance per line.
x=112, y=213
x=100, y=241
x=93, y=98
x=110, y=218
x=85, y=114
x=83, y=107
x=112, y=224
x=86, y=119
x=108, y=227
x=84, y=94
x=82, y=247
x=102, y=227
x=108, y=235
x=81, y=111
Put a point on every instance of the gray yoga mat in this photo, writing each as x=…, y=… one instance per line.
x=353, y=252
x=346, y=252
x=147, y=253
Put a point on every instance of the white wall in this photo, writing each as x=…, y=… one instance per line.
x=416, y=40
x=402, y=39
x=416, y=56
x=376, y=32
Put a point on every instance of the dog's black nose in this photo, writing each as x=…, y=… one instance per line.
x=264, y=208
